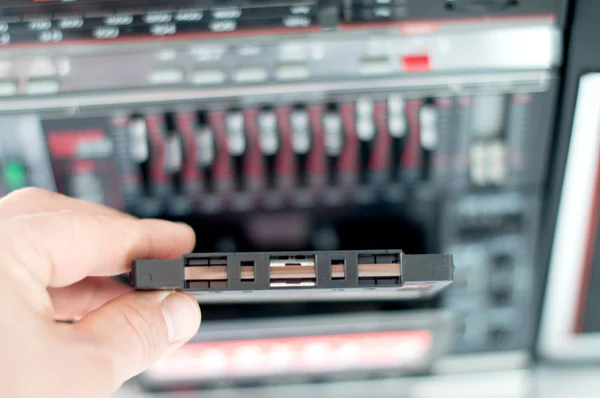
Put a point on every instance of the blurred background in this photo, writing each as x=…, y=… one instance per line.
x=469, y=127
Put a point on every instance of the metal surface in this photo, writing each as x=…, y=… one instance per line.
x=558, y=336
x=485, y=82
x=336, y=56
x=539, y=382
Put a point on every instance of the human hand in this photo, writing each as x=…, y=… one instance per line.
x=56, y=254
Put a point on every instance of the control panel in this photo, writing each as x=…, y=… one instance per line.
x=227, y=162
x=275, y=62
x=345, y=149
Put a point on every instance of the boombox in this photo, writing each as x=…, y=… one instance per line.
x=466, y=127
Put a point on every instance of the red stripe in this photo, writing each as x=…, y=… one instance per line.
x=411, y=158
x=222, y=165
x=185, y=125
x=348, y=162
x=253, y=165
x=416, y=63
x=380, y=157
x=64, y=143
x=316, y=159
x=285, y=161
x=159, y=148
x=589, y=252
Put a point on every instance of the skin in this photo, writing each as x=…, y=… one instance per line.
x=56, y=257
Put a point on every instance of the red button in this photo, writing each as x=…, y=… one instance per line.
x=416, y=63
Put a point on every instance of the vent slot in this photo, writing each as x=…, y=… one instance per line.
x=338, y=269
x=247, y=271
x=206, y=273
x=378, y=269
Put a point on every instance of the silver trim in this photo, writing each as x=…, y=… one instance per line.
x=314, y=295
x=489, y=82
x=482, y=362
x=557, y=341
x=513, y=384
x=474, y=27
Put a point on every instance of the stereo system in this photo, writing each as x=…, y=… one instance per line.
x=423, y=125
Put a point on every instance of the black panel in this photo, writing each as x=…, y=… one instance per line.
x=581, y=57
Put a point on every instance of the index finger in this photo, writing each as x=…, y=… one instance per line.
x=62, y=248
x=34, y=200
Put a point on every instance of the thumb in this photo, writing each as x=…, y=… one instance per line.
x=139, y=328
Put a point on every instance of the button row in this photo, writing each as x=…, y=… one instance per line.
x=247, y=74
x=33, y=86
x=289, y=71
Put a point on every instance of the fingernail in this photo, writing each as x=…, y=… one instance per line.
x=182, y=316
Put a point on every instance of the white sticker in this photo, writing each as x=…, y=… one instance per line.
x=397, y=125
x=138, y=141
x=174, y=154
x=364, y=107
x=300, y=132
x=206, y=147
x=236, y=137
x=332, y=127
x=429, y=128
x=267, y=127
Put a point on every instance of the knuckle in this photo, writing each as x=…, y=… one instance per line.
x=28, y=193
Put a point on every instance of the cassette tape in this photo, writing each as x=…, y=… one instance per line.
x=298, y=274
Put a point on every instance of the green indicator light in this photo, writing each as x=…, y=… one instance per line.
x=14, y=175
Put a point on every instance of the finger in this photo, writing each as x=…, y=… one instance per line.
x=62, y=248
x=137, y=329
x=36, y=200
x=74, y=301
